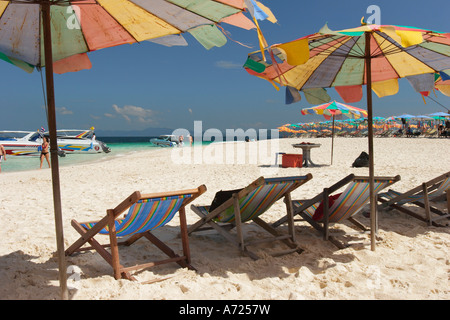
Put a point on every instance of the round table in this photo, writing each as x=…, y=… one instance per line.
x=306, y=148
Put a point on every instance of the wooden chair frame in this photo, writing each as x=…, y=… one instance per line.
x=426, y=189
x=238, y=239
x=323, y=226
x=112, y=258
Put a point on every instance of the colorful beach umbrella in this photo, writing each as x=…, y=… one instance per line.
x=81, y=26
x=336, y=109
x=423, y=117
x=372, y=55
x=442, y=84
x=440, y=114
x=331, y=110
x=57, y=34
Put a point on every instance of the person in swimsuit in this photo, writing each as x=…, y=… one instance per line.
x=2, y=156
x=44, y=152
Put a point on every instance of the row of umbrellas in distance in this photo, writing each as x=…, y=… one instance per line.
x=380, y=123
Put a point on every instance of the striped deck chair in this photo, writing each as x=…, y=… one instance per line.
x=421, y=196
x=248, y=205
x=351, y=201
x=146, y=213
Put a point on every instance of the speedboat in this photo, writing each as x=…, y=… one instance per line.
x=167, y=140
x=29, y=143
x=80, y=141
x=21, y=143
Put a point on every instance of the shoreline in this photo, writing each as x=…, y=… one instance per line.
x=398, y=269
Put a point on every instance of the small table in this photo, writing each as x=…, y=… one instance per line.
x=307, y=153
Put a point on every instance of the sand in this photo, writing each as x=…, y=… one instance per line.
x=411, y=260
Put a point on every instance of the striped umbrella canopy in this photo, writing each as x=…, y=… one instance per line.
x=372, y=55
x=57, y=34
x=439, y=114
x=391, y=118
x=337, y=59
x=405, y=116
x=82, y=26
x=332, y=109
x=442, y=84
x=423, y=117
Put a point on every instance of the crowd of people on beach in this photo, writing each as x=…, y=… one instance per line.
x=444, y=131
x=405, y=129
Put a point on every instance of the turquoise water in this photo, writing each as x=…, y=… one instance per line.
x=118, y=145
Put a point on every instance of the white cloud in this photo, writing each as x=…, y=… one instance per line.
x=134, y=113
x=64, y=110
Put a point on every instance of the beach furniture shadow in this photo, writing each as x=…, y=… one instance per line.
x=145, y=213
x=325, y=208
x=421, y=196
x=22, y=277
x=231, y=209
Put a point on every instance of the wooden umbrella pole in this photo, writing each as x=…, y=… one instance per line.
x=373, y=204
x=45, y=7
x=332, y=142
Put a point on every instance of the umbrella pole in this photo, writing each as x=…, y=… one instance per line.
x=332, y=142
x=373, y=204
x=45, y=7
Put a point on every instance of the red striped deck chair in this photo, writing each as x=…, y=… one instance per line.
x=421, y=196
x=344, y=207
x=247, y=205
x=145, y=213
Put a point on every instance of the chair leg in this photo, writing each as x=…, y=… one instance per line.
x=326, y=213
x=88, y=237
x=114, y=246
x=184, y=235
x=167, y=250
x=238, y=221
x=290, y=215
x=448, y=201
x=427, y=204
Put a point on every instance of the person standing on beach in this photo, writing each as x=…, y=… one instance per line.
x=44, y=152
x=2, y=156
x=180, y=139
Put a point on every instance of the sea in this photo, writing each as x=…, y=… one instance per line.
x=119, y=146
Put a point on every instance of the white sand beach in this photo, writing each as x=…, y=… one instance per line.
x=411, y=260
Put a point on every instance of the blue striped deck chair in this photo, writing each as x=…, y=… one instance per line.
x=145, y=213
x=421, y=196
x=350, y=202
x=247, y=205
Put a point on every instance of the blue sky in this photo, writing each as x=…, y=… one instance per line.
x=133, y=87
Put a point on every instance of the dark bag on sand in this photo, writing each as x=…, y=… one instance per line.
x=221, y=197
x=361, y=161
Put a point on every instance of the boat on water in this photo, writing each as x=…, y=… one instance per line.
x=80, y=141
x=21, y=143
x=28, y=143
x=166, y=140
